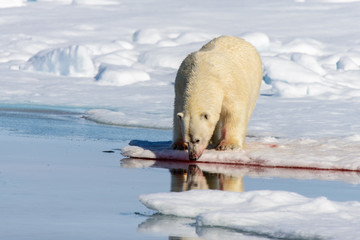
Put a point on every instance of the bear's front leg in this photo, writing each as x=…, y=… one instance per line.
x=178, y=139
x=233, y=133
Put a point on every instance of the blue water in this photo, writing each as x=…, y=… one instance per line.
x=68, y=123
x=62, y=176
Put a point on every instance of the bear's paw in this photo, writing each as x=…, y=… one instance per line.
x=228, y=145
x=179, y=145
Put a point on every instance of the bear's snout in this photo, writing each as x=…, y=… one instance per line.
x=194, y=152
x=193, y=156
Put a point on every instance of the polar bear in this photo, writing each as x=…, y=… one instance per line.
x=216, y=89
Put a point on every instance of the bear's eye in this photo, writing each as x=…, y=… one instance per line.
x=197, y=140
x=204, y=116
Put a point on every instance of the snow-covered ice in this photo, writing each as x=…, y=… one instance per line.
x=275, y=214
x=70, y=61
x=329, y=153
x=120, y=76
x=116, y=50
x=13, y=3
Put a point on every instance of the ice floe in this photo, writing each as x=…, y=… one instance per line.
x=326, y=153
x=276, y=214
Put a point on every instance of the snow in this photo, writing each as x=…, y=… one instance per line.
x=117, y=60
x=147, y=36
x=275, y=214
x=12, y=3
x=69, y=61
x=120, y=76
x=131, y=120
x=125, y=56
x=116, y=63
x=260, y=40
x=94, y=2
x=346, y=63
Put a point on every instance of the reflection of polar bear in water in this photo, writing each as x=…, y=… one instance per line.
x=215, y=93
x=194, y=178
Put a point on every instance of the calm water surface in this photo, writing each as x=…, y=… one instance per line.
x=62, y=176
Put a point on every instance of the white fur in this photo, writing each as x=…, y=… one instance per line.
x=216, y=89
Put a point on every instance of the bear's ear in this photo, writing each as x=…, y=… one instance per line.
x=204, y=115
x=180, y=115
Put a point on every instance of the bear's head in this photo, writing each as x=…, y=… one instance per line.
x=197, y=130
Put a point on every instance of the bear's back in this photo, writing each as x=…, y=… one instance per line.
x=230, y=61
x=239, y=60
x=236, y=49
x=226, y=44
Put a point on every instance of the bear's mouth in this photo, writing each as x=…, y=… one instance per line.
x=193, y=156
